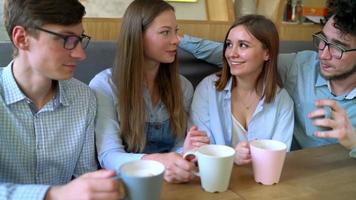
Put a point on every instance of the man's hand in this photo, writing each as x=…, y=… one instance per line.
x=94, y=185
x=339, y=123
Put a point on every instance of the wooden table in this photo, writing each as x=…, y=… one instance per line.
x=315, y=173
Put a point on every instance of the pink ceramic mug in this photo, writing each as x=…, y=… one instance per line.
x=267, y=160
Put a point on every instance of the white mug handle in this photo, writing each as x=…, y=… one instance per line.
x=189, y=156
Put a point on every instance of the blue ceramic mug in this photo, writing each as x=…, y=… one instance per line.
x=142, y=179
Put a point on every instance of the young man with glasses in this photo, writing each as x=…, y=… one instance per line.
x=47, y=117
x=315, y=80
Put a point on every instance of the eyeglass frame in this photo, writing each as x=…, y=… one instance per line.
x=326, y=43
x=65, y=38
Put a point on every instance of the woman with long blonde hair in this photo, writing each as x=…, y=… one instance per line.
x=143, y=102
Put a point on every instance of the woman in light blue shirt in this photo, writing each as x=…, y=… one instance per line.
x=143, y=101
x=245, y=101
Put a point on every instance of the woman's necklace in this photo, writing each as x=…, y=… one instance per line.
x=250, y=104
x=249, y=101
x=245, y=99
x=247, y=107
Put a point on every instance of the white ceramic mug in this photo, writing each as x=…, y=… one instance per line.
x=267, y=160
x=142, y=179
x=215, y=164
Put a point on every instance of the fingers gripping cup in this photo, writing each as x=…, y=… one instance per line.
x=267, y=160
x=142, y=179
x=215, y=164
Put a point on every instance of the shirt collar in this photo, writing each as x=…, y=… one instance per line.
x=62, y=94
x=228, y=84
x=321, y=81
x=13, y=94
x=351, y=95
x=228, y=88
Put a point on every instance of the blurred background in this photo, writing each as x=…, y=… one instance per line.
x=208, y=19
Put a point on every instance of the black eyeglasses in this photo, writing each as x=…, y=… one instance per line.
x=320, y=42
x=70, y=41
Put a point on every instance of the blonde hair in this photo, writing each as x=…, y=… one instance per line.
x=128, y=76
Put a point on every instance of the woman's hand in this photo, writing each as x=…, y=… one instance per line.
x=243, y=155
x=177, y=170
x=195, y=139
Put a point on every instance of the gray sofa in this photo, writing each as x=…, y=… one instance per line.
x=100, y=55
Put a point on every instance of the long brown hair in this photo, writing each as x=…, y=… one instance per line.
x=128, y=76
x=265, y=31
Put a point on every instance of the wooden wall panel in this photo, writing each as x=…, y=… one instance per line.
x=213, y=29
x=205, y=29
x=109, y=28
x=102, y=28
x=220, y=10
x=298, y=32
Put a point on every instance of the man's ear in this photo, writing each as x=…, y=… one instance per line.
x=20, y=37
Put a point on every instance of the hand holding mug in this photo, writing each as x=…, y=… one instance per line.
x=195, y=139
x=243, y=155
x=178, y=170
x=94, y=185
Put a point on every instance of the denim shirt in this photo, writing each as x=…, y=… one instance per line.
x=210, y=51
x=159, y=135
x=211, y=112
